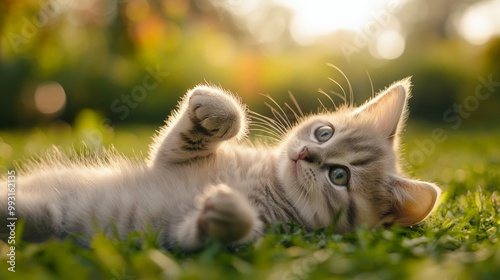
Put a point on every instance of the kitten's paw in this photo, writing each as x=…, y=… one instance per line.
x=216, y=113
x=226, y=216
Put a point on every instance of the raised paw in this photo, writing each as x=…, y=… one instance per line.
x=226, y=216
x=216, y=113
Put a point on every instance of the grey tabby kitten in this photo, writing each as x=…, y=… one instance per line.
x=200, y=182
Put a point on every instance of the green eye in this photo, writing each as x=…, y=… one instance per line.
x=323, y=133
x=339, y=175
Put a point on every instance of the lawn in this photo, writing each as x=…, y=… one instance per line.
x=459, y=241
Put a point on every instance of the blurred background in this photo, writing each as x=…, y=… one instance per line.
x=117, y=62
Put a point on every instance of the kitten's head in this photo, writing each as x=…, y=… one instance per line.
x=342, y=167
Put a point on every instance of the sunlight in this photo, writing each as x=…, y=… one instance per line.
x=316, y=18
x=480, y=22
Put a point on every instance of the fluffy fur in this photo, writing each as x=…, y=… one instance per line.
x=201, y=182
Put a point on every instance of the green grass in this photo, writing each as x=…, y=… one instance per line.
x=460, y=241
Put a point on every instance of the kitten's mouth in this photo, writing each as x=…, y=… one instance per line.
x=303, y=155
x=295, y=167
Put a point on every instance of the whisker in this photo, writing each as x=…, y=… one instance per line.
x=267, y=125
x=304, y=201
x=371, y=83
x=281, y=119
x=351, y=93
x=282, y=115
x=297, y=203
x=344, y=97
x=322, y=105
x=262, y=128
x=263, y=117
x=265, y=135
x=296, y=104
x=329, y=98
x=278, y=126
x=297, y=117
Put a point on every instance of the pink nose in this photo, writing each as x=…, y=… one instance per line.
x=304, y=154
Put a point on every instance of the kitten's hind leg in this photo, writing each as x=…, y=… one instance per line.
x=205, y=117
x=42, y=220
x=223, y=215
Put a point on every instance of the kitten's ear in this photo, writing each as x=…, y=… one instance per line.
x=413, y=200
x=388, y=109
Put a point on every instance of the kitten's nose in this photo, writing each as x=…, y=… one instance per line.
x=304, y=154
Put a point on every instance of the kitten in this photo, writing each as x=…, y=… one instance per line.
x=200, y=182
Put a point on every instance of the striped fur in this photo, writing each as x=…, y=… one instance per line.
x=202, y=182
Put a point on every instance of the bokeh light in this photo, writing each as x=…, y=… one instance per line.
x=480, y=22
x=389, y=45
x=311, y=19
x=100, y=52
x=50, y=98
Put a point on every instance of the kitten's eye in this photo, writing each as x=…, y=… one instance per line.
x=339, y=175
x=323, y=133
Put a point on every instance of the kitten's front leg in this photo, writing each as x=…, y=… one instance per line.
x=223, y=215
x=206, y=117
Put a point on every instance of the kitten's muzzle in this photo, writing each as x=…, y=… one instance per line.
x=304, y=155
